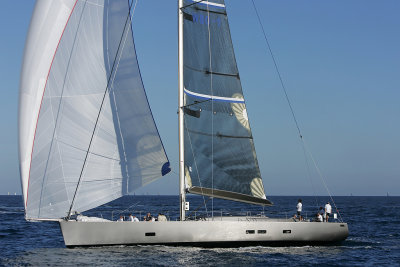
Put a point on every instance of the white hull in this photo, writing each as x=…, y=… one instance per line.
x=228, y=232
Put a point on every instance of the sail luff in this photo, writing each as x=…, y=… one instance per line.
x=30, y=100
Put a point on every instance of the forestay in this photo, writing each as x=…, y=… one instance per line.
x=220, y=158
x=83, y=111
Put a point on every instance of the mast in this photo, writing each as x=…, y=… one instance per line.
x=182, y=195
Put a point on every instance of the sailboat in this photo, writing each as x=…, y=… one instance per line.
x=87, y=135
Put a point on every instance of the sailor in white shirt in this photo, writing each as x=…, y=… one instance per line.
x=121, y=219
x=161, y=218
x=319, y=218
x=133, y=218
x=328, y=211
x=299, y=209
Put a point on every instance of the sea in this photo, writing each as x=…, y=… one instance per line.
x=374, y=235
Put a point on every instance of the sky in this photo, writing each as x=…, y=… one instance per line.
x=340, y=63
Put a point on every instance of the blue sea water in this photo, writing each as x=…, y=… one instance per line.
x=374, y=225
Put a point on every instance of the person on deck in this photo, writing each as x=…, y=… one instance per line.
x=161, y=218
x=321, y=211
x=121, y=219
x=328, y=211
x=148, y=217
x=299, y=209
x=133, y=218
x=319, y=217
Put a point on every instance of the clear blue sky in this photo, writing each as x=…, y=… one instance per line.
x=340, y=61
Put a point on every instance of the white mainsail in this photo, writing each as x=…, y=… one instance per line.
x=219, y=156
x=86, y=132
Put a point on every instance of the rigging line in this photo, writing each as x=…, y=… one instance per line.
x=322, y=178
x=309, y=174
x=198, y=207
x=290, y=105
x=277, y=70
x=100, y=109
x=195, y=163
x=212, y=109
x=134, y=204
x=83, y=150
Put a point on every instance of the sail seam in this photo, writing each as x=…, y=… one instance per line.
x=80, y=149
x=94, y=180
x=40, y=107
x=94, y=4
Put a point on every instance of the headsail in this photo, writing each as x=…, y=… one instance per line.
x=220, y=158
x=83, y=109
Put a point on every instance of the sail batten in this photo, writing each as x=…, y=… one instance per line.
x=126, y=150
x=214, y=97
x=220, y=158
x=208, y=3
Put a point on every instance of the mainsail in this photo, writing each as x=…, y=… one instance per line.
x=220, y=158
x=86, y=131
